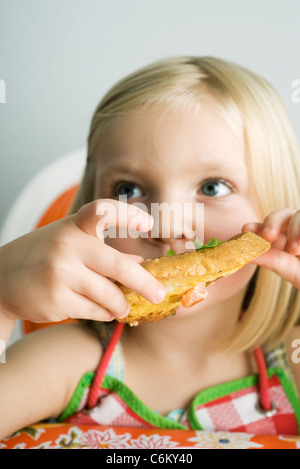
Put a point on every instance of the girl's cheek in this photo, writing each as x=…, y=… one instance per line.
x=231, y=285
x=224, y=222
x=127, y=245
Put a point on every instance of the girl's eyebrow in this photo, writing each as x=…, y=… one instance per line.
x=222, y=164
x=111, y=170
x=231, y=171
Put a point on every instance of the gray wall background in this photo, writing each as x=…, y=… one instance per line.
x=58, y=57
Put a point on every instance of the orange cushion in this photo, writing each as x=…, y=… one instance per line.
x=59, y=207
x=86, y=436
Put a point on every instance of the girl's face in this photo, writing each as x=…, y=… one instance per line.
x=177, y=157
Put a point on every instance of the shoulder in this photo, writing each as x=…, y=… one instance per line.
x=54, y=359
x=67, y=342
x=73, y=348
x=293, y=351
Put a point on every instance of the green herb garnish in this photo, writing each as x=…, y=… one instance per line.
x=211, y=244
x=198, y=246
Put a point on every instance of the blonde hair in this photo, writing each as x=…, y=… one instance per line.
x=272, y=152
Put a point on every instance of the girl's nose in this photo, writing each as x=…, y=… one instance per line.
x=176, y=225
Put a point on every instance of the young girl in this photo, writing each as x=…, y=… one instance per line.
x=185, y=130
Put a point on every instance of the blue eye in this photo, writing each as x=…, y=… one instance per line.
x=215, y=188
x=129, y=190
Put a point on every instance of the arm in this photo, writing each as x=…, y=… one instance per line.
x=65, y=270
x=41, y=373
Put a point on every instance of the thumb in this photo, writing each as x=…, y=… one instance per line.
x=97, y=216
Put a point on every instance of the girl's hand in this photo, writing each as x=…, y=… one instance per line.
x=282, y=229
x=65, y=270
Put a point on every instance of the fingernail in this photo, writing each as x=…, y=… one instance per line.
x=147, y=224
x=144, y=225
x=126, y=313
x=249, y=227
x=267, y=231
x=294, y=248
x=160, y=295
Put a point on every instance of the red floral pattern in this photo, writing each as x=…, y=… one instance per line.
x=68, y=436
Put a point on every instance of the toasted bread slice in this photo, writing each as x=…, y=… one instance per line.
x=182, y=272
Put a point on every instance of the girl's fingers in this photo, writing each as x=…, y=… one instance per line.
x=293, y=244
x=82, y=307
x=116, y=265
x=96, y=217
x=283, y=264
x=274, y=224
x=103, y=292
x=253, y=227
x=281, y=228
x=99, y=215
